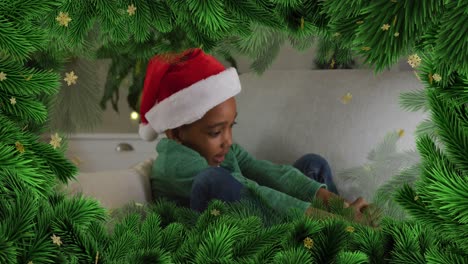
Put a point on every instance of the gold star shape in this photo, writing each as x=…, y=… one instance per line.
x=308, y=242
x=131, y=10
x=3, y=76
x=396, y=34
x=55, y=140
x=385, y=27
x=70, y=78
x=19, y=147
x=417, y=75
x=76, y=160
x=13, y=101
x=63, y=19
x=366, y=48
x=349, y=229
x=414, y=60
x=367, y=167
x=401, y=132
x=215, y=212
x=346, y=98
x=436, y=77
x=56, y=240
x=430, y=78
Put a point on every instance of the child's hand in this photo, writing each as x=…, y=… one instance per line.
x=359, y=205
x=365, y=213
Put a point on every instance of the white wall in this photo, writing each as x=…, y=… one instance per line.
x=284, y=114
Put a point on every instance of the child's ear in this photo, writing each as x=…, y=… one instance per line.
x=173, y=134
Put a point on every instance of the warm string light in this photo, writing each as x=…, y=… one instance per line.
x=134, y=115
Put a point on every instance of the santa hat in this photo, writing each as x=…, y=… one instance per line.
x=180, y=89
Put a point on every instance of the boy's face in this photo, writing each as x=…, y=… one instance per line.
x=210, y=136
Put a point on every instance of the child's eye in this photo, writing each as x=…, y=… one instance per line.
x=214, y=134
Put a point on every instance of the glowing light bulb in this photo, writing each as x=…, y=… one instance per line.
x=134, y=115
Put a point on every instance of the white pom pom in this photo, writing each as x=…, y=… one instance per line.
x=147, y=132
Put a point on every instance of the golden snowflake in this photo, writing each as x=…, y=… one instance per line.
x=56, y=240
x=349, y=229
x=55, y=140
x=215, y=212
x=366, y=48
x=367, y=167
x=401, y=132
x=417, y=75
x=63, y=19
x=19, y=147
x=3, y=76
x=70, y=78
x=76, y=160
x=13, y=101
x=28, y=78
x=436, y=77
x=131, y=10
x=346, y=98
x=308, y=242
x=385, y=27
x=414, y=60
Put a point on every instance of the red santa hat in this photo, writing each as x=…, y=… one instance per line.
x=180, y=89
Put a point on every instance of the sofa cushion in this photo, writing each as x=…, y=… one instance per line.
x=114, y=188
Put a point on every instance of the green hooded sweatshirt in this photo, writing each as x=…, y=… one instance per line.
x=281, y=187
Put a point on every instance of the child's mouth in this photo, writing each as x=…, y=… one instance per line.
x=219, y=158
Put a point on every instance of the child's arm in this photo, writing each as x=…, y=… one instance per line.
x=288, y=179
x=284, y=178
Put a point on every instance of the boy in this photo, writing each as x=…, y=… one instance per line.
x=190, y=97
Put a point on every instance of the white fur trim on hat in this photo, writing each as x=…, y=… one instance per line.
x=147, y=132
x=192, y=103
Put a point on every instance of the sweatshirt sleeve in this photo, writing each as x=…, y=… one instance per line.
x=283, y=178
x=277, y=200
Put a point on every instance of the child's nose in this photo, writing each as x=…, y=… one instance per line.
x=227, y=139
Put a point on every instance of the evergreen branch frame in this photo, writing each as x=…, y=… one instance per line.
x=31, y=212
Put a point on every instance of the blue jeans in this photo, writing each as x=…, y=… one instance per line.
x=218, y=183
